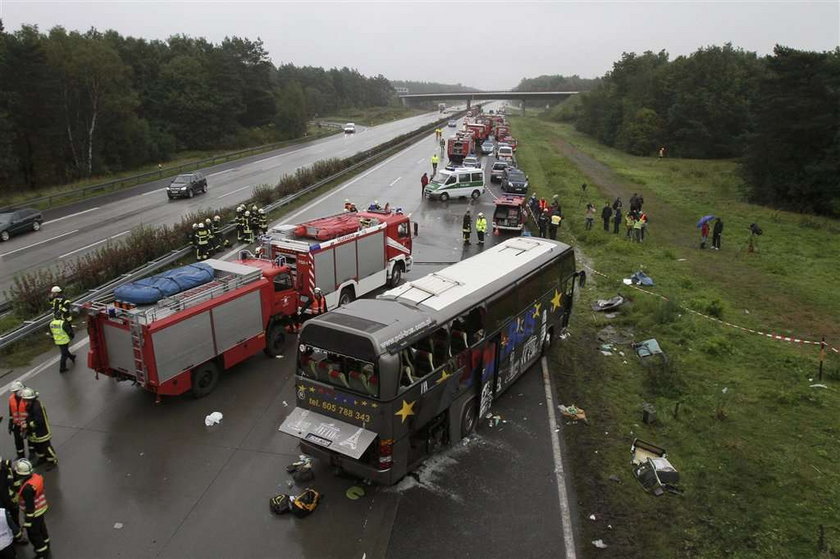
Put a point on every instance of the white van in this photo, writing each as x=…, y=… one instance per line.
x=505, y=152
x=461, y=182
x=349, y=128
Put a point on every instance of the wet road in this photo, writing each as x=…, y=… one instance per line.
x=138, y=479
x=71, y=231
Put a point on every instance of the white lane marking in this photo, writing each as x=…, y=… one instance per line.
x=222, y=172
x=562, y=495
x=43, y=366
x=119, y=234
x=40, y=242
x=394, y=181
x=153, y=191
x=421, y=161
x=71, y=215
x=81, y=249
x=233, y=191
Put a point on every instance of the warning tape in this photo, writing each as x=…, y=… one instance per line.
x=772, y=336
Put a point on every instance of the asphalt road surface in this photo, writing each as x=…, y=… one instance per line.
x=142, y=480
x=71, y=231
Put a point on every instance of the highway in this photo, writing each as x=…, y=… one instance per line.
x=71, y=231
x=139, y=479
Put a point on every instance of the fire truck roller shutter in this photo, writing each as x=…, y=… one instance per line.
x=183, y=345
x=325, y=271
x=236, y=321
x=345, y=262
x=371, y=254
x=120, y=351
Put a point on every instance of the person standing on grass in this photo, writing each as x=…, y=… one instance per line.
x=639, y=228
x=606, y=213
x=589, y=215
x=629, y=222
x=616, y=220
x=704, y=234
x=717, y=231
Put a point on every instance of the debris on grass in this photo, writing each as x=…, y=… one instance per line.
x=573, y=412
x=613, y=303
x=599, y=544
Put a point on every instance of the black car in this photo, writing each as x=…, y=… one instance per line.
x=19, y=221
x=187, y=186
x=514, y=181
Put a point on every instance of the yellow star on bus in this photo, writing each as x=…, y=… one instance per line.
x=537, y=310
x=406, y=410
x=443, y=376
x=555, y=301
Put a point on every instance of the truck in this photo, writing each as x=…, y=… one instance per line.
x=345, y=255
x=441, y=107
x=183, y=342
x=509, y=214
x=459, y=146
x=481, y=131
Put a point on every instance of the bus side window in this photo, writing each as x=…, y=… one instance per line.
x=440, y=347
x=458, y=334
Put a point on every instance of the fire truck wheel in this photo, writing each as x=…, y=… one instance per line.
x=275, y=340
x=204, y=379
x=469, y=416
x=444, y=197
x=347, y=296
x=396, y=274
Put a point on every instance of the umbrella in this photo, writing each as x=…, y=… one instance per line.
x=705, y=219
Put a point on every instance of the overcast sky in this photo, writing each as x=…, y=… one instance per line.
x=489, y=44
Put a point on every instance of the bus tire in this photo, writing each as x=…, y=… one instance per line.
x=444, y=197
x=275, y=339
x=469, y=417
x=204, y=379
x=396, y=274
x=347, y=296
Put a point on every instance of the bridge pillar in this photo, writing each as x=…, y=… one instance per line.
x=404, y=102
x=523, y=107
x=468, y=103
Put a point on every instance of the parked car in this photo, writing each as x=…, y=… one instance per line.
x=452, y=123
x=487, y=147
x=514, y=181
x=19, y=221
x=349, y=128
x=497, y=173
x=471, y=161
x=504, y=151
x=187, y=185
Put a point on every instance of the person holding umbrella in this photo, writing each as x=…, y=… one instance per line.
x=703, y=224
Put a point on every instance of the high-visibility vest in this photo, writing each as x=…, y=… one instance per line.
x=435, y=159
x=319, y=304
x=481, y=225
x=202, y=236
x=59, y=335
x=17, y=410
x=37, y=483
x=555, y=219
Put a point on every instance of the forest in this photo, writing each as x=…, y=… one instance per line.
x=75, y=105
x=779, y=115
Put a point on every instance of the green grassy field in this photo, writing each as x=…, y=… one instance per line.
x=756, y=446
x=373, y=115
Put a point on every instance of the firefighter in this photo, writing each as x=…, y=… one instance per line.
x=542, y=222
x=194, y=237
x=247, y=231
x=480, y=227
x=442, y=146
x=217, y=233
x=435, y=161
x=347, y=204
x=318, y=302
x=38, y=428
x=60, y=305
x=262, y=221
x=33, y=502
x=211, y=237
x=466, y=227
x=61, y=331
x=240, y=224
x=554, y=223
x=255, y=223
x=9, y=489
x=202, y=242
x=17, y=417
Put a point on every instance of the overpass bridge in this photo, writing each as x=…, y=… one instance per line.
x=470, y=96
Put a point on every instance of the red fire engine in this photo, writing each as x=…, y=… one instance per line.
x=480, y=131
x=459, y=146
x=345, y=255
x=184, y=341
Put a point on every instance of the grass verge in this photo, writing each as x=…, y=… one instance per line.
x=756, y=445
x=374, y=115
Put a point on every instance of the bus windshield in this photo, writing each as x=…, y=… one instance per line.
x=342, y=371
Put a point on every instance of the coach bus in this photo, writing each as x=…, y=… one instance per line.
x=383, y=383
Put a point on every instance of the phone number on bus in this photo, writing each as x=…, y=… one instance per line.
x=340, y=410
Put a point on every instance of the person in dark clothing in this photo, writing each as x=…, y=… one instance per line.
x=9, y=489
x=62, y=333
x=424, y=180
x=634, y=203
x=617, y=204
x=616, y=220
x=606, y=213
x=716, y=233
x=534, y=204
x=542, y=222
x=33, y=503
x=640, y=201
x=38, y=428
x=466, y=227
x=554, y=223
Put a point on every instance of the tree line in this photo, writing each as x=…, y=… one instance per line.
x=779, y=114
x=75, y=105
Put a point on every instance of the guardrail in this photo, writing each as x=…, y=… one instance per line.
x=369, y=156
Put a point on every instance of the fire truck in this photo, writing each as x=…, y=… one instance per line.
x=182, y=342
x=345, y=255
x=459, y=146
x=480, y=131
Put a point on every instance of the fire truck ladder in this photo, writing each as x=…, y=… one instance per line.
x=136, y=329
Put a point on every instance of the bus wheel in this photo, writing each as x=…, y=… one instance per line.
x=274, y=340
x=204, y=379
x=346, y=296
x=469, y=417
x=396, y=274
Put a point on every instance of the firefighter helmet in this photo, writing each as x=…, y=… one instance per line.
x=208, y=221
x=201, y=225
x=23, y=467
x=28, y=393
x=55, y=289
x=16, y=386
x=247, y=213
x=195, y=225
x=317, y=291
x=261, y=211
x=254, y=208
x=217, y=218
x=480, y=214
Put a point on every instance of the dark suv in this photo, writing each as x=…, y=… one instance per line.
x=514, y=181
x=187, y=186
x=19, y=221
